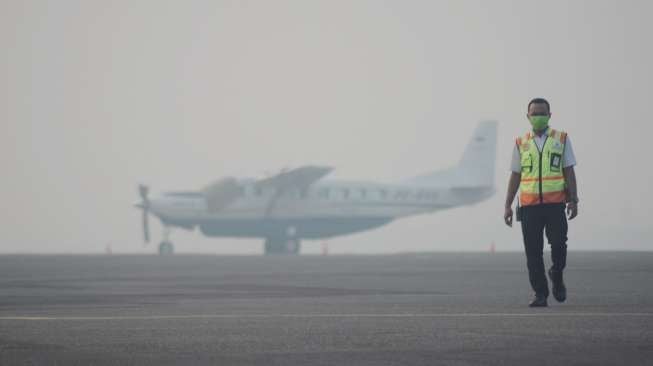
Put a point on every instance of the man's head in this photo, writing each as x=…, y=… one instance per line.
x=539, y=113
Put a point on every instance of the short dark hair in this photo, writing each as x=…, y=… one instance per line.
x=539, y=101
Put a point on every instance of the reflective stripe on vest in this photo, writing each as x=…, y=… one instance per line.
x=542, y=180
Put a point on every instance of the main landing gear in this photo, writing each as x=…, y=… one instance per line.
x=286, y=243
x=282, y=246
x=166, y=247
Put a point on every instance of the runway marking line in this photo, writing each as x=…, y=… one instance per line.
x=306, y=316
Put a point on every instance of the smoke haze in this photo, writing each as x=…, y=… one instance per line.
x=98, y=96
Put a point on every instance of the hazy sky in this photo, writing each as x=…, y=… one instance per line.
x=97, y=96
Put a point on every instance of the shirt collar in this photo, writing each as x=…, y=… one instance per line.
x=544, y=134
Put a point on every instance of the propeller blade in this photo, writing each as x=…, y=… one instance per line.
x=146, y=225
x=143, y=191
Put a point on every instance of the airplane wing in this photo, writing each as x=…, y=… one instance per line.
x=299, y=178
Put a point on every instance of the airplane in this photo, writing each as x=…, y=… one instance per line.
x=298, y=204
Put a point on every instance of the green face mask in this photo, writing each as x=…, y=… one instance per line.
x=539, y=122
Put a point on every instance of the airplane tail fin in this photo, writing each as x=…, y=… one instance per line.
x=476, y=168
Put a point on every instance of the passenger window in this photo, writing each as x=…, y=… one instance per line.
x=402, y=195
x=383, y=194
x=323, y=193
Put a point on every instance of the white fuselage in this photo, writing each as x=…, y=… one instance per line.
x=300, y=204
x=326, y=200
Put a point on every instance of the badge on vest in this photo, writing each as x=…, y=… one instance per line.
x=556, y=161
x=527, y=163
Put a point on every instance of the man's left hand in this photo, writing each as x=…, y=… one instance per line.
x=572, y=210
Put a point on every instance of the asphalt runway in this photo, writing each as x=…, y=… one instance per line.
x=411, y=309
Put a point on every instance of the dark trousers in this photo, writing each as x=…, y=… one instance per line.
x=537, y=220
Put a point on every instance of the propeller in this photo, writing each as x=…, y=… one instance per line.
x=145, y=205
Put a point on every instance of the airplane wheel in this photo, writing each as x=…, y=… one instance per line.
x=292, y=246
x=282, y=246
x=166, y=248
x=272, y=247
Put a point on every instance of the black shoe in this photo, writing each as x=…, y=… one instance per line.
x=538, y=302
x=558, y=288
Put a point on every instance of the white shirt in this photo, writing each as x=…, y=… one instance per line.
x=568, y=157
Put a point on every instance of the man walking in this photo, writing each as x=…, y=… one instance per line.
x=543, y=171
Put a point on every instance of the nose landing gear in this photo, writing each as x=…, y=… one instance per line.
x=166, y=247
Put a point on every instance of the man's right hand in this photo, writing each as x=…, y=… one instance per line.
x=507, y=216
